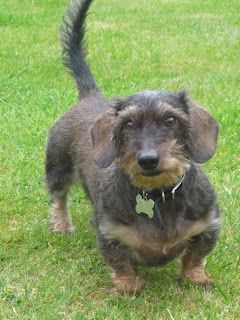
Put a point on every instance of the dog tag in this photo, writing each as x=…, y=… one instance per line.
x=145, y=206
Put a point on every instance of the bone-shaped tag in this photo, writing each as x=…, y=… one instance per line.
x=144, y=206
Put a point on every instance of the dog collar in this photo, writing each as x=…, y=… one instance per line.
x=148, y=203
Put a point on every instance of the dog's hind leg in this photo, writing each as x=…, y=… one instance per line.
x=60, y=218
x=59, y=178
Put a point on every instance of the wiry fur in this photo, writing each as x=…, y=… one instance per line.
x=74, y=49
x=102, y=141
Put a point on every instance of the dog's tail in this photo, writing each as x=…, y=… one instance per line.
x=74, y=48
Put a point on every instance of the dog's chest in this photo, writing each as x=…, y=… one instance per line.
x=149, y=245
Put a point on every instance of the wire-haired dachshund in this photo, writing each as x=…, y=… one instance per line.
x=138, y=160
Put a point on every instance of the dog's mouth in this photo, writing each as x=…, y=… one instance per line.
x=151, y=173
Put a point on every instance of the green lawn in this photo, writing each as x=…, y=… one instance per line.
x=133, y=46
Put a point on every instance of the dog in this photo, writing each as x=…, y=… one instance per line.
x=139, y=162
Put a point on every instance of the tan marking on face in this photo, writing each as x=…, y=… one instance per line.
x=160, y=112
x=173, y=165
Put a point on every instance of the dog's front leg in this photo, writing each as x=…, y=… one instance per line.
x=124, y=275
x=193, y=262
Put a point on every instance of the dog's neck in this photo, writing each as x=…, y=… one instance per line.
x=161, y=195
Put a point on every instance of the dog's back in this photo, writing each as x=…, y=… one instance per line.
x=69, y=151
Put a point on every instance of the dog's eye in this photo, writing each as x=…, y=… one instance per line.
x=129, y=124
x=170, y=122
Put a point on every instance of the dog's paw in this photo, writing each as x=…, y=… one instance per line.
x=197, y=277
x=128, y=285
x=63, y=228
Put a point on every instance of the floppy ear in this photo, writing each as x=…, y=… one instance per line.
x=101, y=132
x=204, y=133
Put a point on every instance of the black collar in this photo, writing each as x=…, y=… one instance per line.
x=162, y=195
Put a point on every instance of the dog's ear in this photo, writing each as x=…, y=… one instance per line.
x=101, y=133
x=204, y=133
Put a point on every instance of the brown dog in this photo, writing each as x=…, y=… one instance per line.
x=137, y=159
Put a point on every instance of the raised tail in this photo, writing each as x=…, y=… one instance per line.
x=74, y=48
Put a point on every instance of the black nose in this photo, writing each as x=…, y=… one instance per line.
x=148, y=160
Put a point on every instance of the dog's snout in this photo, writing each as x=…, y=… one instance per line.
x=148, y=160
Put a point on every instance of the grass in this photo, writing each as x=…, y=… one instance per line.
x=133, y=46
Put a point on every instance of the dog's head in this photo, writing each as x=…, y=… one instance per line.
x=154, y=136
